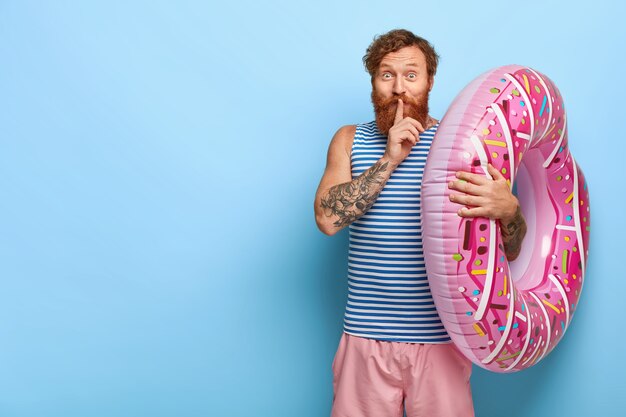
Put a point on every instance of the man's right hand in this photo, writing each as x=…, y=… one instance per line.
x=403, y=135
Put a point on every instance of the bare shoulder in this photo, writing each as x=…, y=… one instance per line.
x=343, y=138
x=347, y=130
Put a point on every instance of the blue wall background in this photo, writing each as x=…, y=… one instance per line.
x=158, y=162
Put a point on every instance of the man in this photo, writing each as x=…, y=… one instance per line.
x=394, y=352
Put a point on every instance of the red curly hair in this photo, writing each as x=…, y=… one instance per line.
x=393, y=41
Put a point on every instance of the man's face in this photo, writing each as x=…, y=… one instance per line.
x=401, y=75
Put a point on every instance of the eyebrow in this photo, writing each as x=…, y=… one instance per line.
x=410, y=64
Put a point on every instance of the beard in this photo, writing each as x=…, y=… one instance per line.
x=385, y=109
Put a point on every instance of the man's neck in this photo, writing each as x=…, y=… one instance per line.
x=430, y=122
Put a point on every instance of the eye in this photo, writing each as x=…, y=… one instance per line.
x=386, y=76
x=412, y=76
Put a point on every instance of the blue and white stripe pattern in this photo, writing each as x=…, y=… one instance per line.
x=388, y=293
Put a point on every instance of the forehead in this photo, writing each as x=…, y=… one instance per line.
x=407, y=56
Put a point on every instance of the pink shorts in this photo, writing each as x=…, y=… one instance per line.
x=374, y=378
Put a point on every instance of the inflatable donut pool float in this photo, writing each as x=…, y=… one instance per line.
x=504, y=316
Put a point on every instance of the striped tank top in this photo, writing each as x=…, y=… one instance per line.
x=388, y=293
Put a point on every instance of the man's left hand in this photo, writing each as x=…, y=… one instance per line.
x=484, y=197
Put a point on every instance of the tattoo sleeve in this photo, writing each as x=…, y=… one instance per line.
x=350, y=200
x=512, y=235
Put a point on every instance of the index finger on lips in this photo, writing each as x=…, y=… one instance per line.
x=399, y=111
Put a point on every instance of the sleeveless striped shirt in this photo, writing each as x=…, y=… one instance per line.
x=388, y=293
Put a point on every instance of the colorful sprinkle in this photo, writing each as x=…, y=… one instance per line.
x=543, y=105
x=549, y=304
x=457, y=257
x=494, y=90
x=495, y=143
x=526, y=83
x=504, y=358
x=478, y=328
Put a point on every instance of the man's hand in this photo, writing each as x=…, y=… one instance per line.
x=486, y=198
x=492, y=199
x=403, y=135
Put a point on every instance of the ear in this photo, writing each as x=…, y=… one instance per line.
x=431, y=83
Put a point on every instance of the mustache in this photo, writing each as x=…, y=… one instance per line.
x=392, y=101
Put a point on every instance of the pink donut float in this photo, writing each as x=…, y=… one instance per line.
x=504, y=316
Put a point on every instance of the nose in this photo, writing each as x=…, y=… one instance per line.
x=398, y=86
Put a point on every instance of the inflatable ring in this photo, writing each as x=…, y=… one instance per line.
x=504, y=316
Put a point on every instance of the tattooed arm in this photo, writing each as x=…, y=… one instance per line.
x=340, y=200
x=513, y=232
x=491, y=198
x=344, y=203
